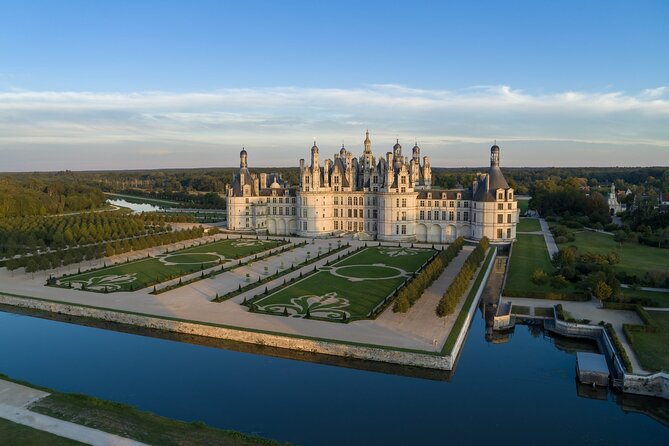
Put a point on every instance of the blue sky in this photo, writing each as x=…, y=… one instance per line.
x=92, y=84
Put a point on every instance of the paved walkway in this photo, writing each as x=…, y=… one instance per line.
x=14, y=400
x=548, y=236
x=421, y=320
x=594, y=312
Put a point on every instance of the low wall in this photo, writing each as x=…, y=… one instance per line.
x=651, y=385
x=370, y=353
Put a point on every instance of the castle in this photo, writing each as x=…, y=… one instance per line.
x=389, y=198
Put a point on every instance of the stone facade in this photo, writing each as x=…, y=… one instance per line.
x=390, y=198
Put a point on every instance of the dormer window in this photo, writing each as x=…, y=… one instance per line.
x=403, y=179
x=500, y=196
x=459, y=195
x=336, y=179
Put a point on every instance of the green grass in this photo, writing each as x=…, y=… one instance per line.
x=520, y=309
x=530, y=253
x=23, y=435
x=523, y=206
x=634, y=258
x=659, y=299
x=332, y=297
x=141, y=273
x=528, y=225
x=652, y=349
x=126, y=421
x=543, y=311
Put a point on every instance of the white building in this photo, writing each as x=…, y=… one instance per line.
x=391, y=198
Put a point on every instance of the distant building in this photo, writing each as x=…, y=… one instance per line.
x=389, y=198
x=615, y=207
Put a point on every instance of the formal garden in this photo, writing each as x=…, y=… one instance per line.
x=651, y=341
x=349, y=289
x=135, y=275
x=528, y=225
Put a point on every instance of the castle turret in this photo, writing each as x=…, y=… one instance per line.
x=243, y=163
x=494, y=156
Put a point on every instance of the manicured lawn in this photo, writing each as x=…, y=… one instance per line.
x=530, y=253
x=543, y=311
x=22, y=435
x=634, y=258
x=523, y=205
x=350, y=288
x=652, y=349
x=139, y=274
x=520, y=309
x=659, y=299
x=528, y=225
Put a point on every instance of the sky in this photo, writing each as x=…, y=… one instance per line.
x=163, y=84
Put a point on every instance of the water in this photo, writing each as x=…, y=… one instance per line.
x=135, y=205
x=520, y=391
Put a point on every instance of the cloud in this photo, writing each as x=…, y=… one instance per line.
x=282, y=120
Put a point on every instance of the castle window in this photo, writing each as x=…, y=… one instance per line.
x=336, y=212
x=355, y=213
x=404, y=216
x=451, y=215
x=500, y=196
x=422, y=203
x=459, y=203
x=500, y=218
x=466, y=204
x=458, y=216
x=436, y=215
x=304, y=213
x=422, y=215
x=451, y=204
x=403, y=189
x=375, y=179
x=508, y=233
x=362, y=214
x=280, y=211
x=397, y=202
x=404, y=202
x=293, y=211
x=350, y=213
x=293, y=200
x=510, y=205
x=304, y=225
x=404, y=179
x=374, y=201
x=336, y=200
x=429, y=203
x=397, y=230
x=510, y=195
x=374, y=213
x=247, y=201
x=404, y=229
x=280, y=199
x=336, y=179
x=500, y=206
x=350, y=226
x=355, y=201
x=499, y=233
x=474, y=217
x=508, y=218
x=336, y=223
x=458, y=196
x=375, y=189
x=350, y=201
x=466, y=216
x=307, y=179
x=429, y=196
x=429, y=215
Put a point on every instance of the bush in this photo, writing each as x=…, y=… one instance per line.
x=561, y=239
x=539, y=277
x=559, y=281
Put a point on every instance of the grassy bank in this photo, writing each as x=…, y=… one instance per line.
x=528, y=225
x=23, y=435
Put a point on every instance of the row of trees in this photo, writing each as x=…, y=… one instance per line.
x=21, y=235
x=449, y=301
x=56, y=259
x=413, y=290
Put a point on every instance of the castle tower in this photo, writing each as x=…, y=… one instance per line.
x=243, y=163
x=368, y=144
x=494, y=156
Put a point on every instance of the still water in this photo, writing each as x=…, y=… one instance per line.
x=515, y=392
x=136, y=205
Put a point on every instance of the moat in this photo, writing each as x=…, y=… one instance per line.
x=520, y=387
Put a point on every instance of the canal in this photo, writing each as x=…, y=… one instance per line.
x=515, y=389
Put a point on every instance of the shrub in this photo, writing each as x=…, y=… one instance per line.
x=561, y=239
x=559, y=281
x=539, y=277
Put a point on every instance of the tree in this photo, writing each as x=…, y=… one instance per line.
x=602, y=291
